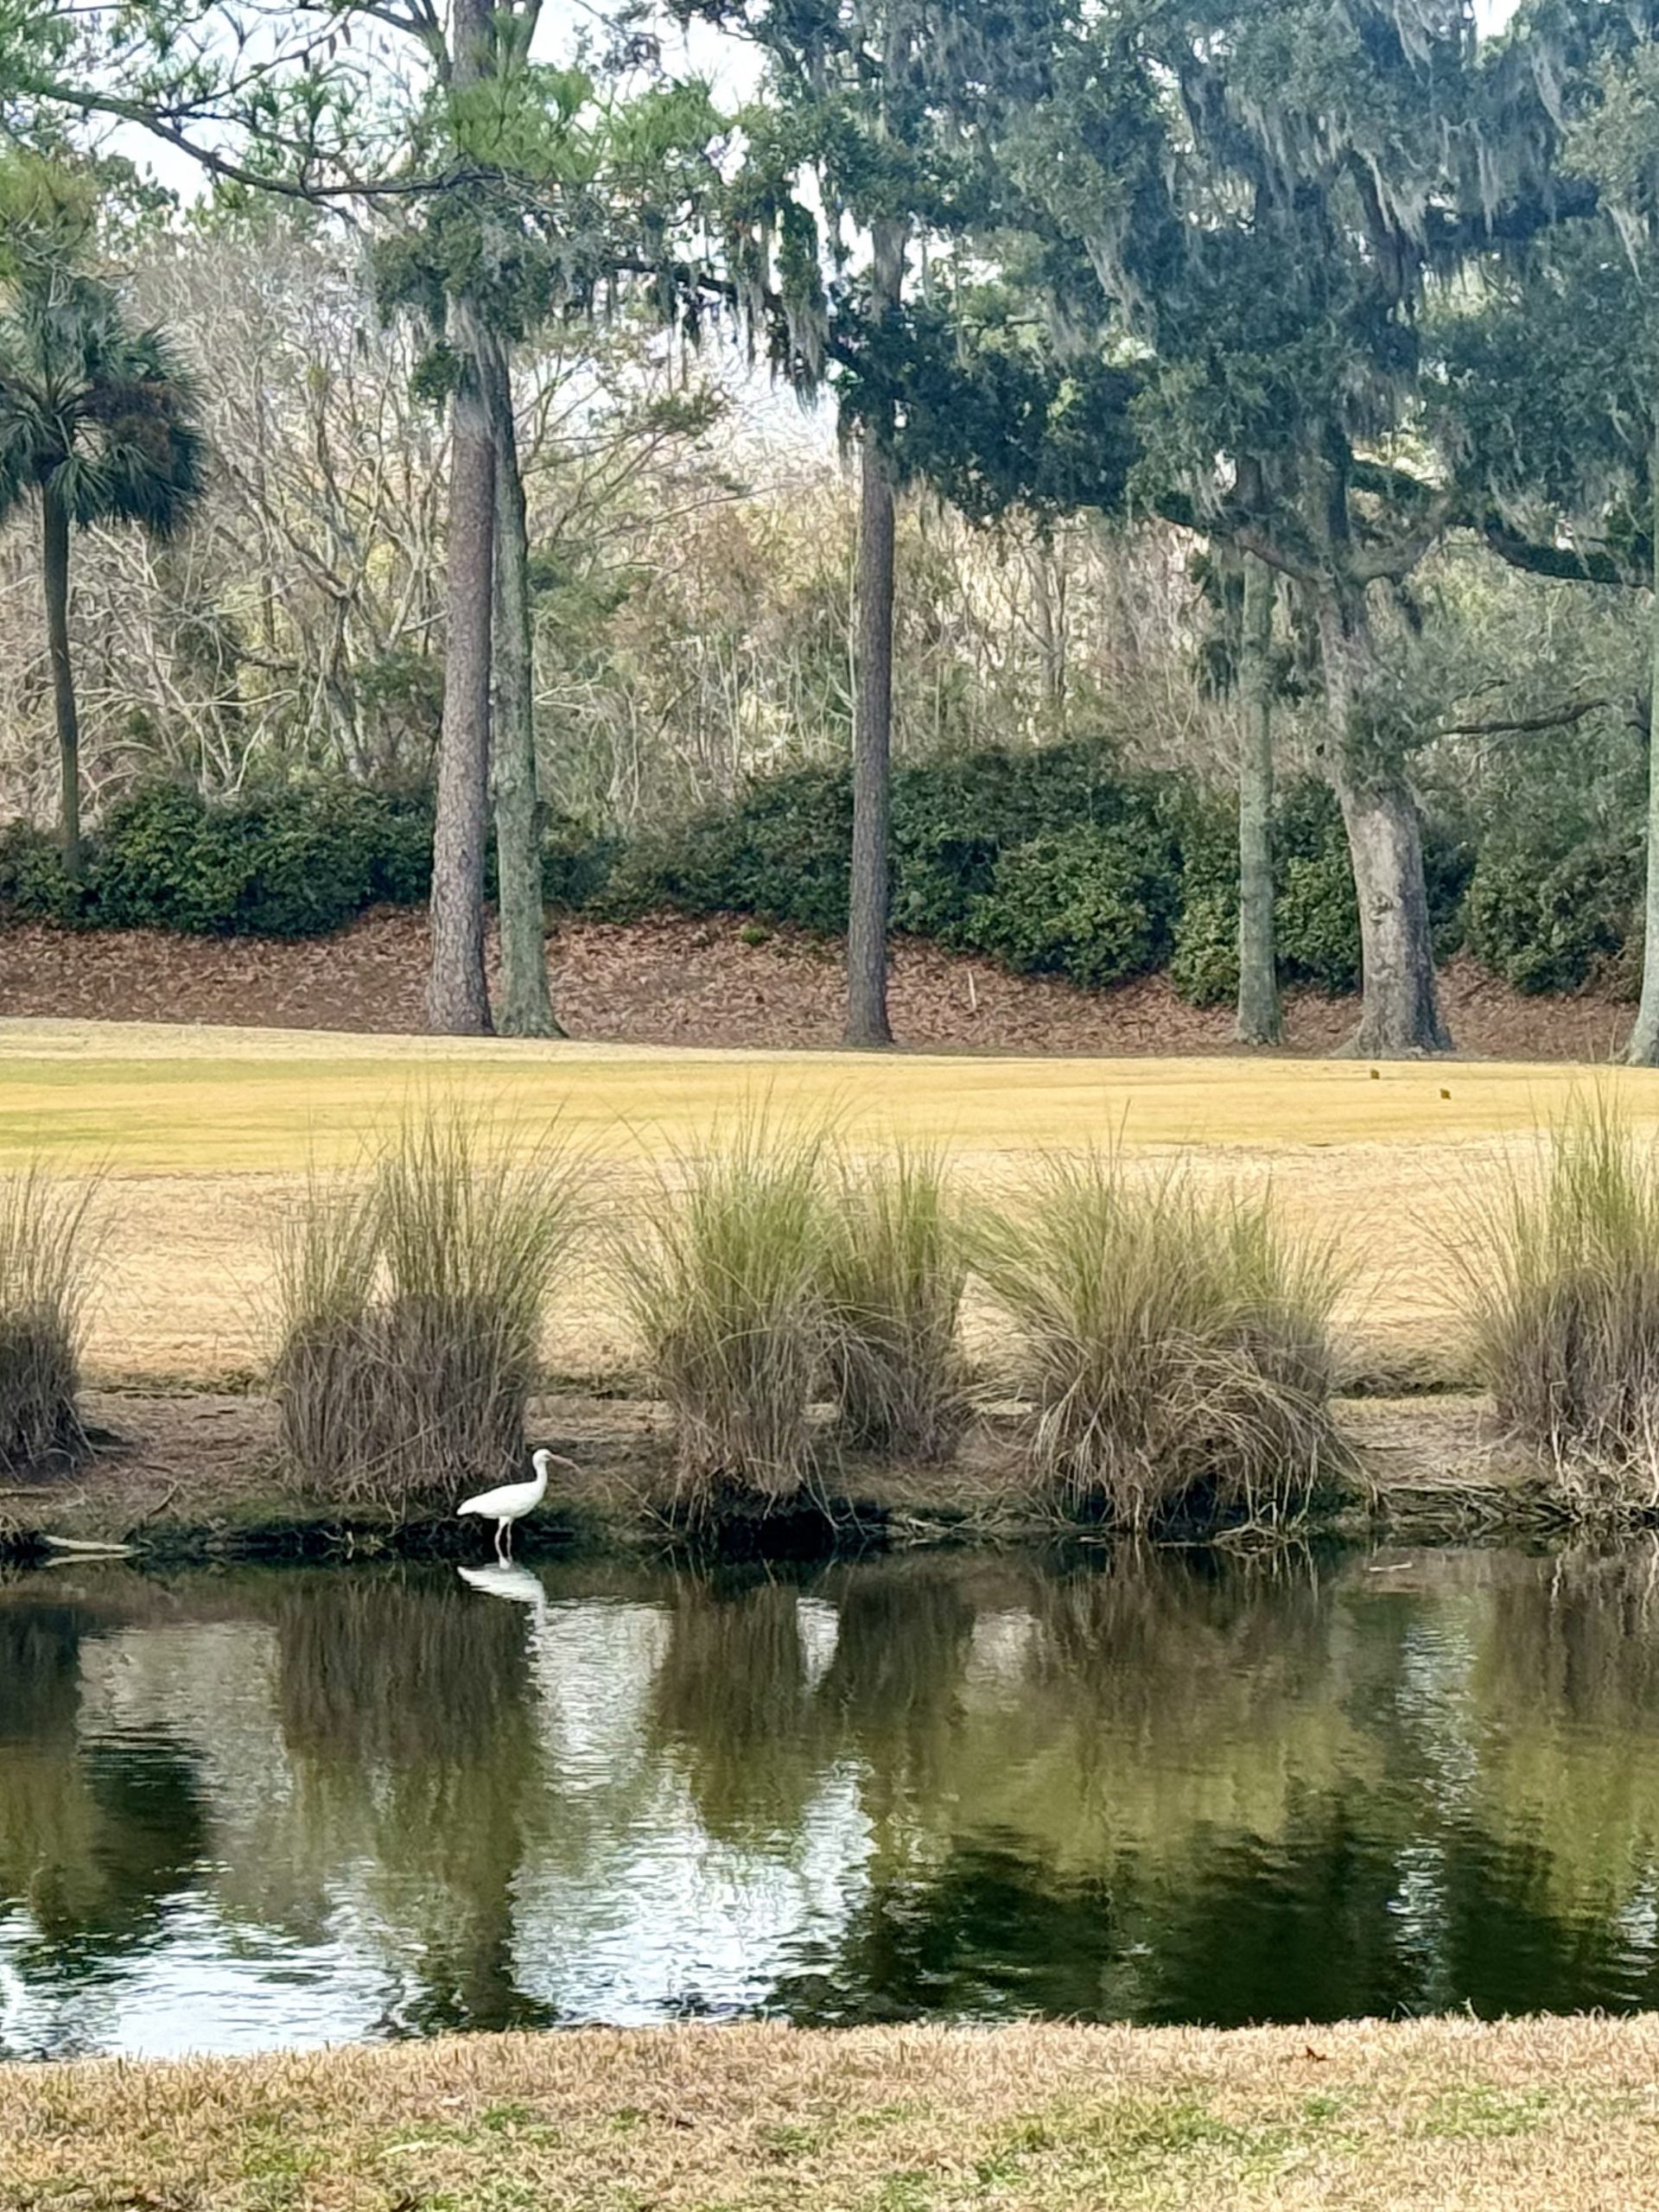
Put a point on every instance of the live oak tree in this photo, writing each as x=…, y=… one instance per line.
x=1259, y=196
x=1548, y=405
x=96, y=417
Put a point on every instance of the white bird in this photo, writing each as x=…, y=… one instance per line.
x=513, y=1501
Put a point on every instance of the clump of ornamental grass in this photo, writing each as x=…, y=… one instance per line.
x=46, y=1255
x=1561, y=1274
x=721, y=1272
x=1175, y=1343
x=411, y=1309
x=893, y=1274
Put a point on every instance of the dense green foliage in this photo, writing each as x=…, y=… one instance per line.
x=295, y=863
x=1056, y=861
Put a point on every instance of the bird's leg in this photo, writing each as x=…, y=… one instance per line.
x=501, y=1528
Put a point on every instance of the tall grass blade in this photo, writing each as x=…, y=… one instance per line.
x=1175, y=1345
x=45, y=1257
x=893, y=1276
x=411, y=1306
x=1560, y=1276
x=721, y=1277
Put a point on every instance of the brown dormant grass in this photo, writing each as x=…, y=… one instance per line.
x=207, y=1133
x=1551, y=2116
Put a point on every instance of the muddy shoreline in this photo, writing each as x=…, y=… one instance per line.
x=184, y=1475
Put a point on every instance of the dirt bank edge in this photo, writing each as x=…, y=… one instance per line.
x=191, y=1475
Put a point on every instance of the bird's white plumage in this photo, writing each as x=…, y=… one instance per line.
x=512, y=1500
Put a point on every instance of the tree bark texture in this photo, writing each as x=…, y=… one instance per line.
x=1642, y=1049
x=457, y=993
x=525, y=1008
x=457, y=996
x=55, y=536
x=1258, y=1018
x=1399, y=1013
x=868, y=888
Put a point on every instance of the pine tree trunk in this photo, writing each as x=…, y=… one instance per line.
x=1258, y=1022
x=54, y=533
x=1642, y=1049
x=457, y=993
x=525, y=1008
x=457, y=997
x=868, y=888
x=1399, y=1013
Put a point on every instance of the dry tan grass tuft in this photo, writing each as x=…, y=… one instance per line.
x=1547, y=2115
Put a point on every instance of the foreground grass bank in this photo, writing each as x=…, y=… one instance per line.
x=1556, y=2115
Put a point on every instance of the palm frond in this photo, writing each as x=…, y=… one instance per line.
x=101, y=413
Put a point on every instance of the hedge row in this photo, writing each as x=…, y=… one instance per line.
x=1053, y=862
x=296, y=864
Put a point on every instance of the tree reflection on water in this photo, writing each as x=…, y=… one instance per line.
x=1170, y=1787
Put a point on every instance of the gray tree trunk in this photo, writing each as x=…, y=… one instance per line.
x=1258, y=1021
x=55, y=547
x=868, y=887
x=1399, y=1013
x=524, y=1008
x=457, y=995
x=1642, y=1049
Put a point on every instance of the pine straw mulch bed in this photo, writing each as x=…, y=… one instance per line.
x=1552, y=2115
x=672, y=981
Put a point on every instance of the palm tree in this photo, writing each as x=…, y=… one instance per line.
x=98, y=420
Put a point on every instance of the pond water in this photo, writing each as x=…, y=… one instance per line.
x=253, y=1808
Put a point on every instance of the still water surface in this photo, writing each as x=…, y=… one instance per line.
x=252, y=1808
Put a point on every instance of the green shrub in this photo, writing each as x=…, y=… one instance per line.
x=32, y=882
x=1547, y=922
x=409, y=1308
x=1561, y=1279
x=782, y=855
x=956, y=816
x=893, y=1275
x=1316, y=923
x=163, y=860
x=1315, y=910
x=1175, y=1343
x=1081, y=903
x=1204, y=959
x=577, y=864
x=296, y=864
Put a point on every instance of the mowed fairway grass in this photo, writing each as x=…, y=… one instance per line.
x=203, y=1137
x=1545, y=2116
